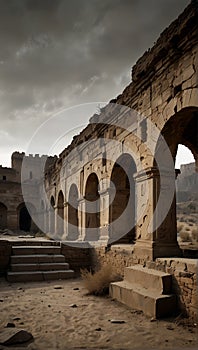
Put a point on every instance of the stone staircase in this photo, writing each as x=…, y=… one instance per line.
x=42, y=261
x=147, y=290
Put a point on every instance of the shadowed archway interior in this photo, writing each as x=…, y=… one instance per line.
x=92, y=216
x=122, y=208
x=73, y=213
x=3, y=216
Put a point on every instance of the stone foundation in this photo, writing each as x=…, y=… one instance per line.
x=77, y=255
x=184, y=273
x=5, y=253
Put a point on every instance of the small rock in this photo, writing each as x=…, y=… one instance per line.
x=98, y=329
x=49, y=305
x=137, y=312
x=58, y=287
x=10, y=325
x=117, y=321
x=16, y=319
x=170, y=327
x=73, y=305
x=153, y=319
x=1, y=300
x=76, y=288
x=191, y=330
x=14, y=336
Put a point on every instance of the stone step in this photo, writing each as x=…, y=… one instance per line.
x=149, y=301
x=149, y=278
x=35, y=276
x=37, y=258
x=34, y=242
x=31, y=250
x=39, y=267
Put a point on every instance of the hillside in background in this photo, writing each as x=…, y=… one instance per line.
x=187, y=204
x=187, y=183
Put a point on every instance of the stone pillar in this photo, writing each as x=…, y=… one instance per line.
x=82, y=218
x=46, y=221
x=104, y=214
x=12, y=220
x=65, y=234
x=51, y=220
x=156, y=215
x=56, y=220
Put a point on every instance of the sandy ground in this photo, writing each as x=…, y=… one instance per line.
x=48, y=314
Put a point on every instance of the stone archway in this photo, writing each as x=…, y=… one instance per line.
x=158, y=232
x=73, y=232
x=3, y=216
x=25, y=222
x=92, y=214
x=60, y=214
x=122, y=207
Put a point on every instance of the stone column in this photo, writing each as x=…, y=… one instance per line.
x=46, y=222
x=56, y=220
x=51, y=220
x=65, y=234
x=104, y=214
x=12, y=220
x=82, y=218
x=156, y=215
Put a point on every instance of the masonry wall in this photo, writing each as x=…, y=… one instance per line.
x=5, y=253
x=78, y=257
x=184, y=272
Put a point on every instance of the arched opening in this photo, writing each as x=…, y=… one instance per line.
x=186, y=196
x=60, y=214
x=92, y=215
x=73, y=213
x=181, y=129
x=52, y=216
x=122, y=207
x=25, y=222
x=3, y=216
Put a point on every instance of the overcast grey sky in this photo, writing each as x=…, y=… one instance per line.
x=59, y=53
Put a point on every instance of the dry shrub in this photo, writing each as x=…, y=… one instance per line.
x=195, y=234
x=98, y=283
x=185, y=237
x=180, y=226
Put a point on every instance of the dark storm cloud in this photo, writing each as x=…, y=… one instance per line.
x=59, y=52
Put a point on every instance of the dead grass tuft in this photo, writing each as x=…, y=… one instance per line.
x=195, y=234
x=98, y=283
x=180, y=226
x=185, y=236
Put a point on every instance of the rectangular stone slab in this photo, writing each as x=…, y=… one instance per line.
x=149, y=301
x=149, y=278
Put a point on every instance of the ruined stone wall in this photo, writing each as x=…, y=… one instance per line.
x=11, y=192
x=163, y=88
x=7, y=174
x=78, y=257
x=184, y=272
x=5, y=253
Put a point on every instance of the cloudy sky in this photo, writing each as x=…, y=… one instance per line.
x=59, y=53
